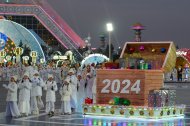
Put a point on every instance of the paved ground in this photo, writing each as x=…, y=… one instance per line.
x=183, y=97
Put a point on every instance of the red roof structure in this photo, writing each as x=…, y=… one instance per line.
x=47, y=16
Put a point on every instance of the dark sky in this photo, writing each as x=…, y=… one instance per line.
x=164, y=19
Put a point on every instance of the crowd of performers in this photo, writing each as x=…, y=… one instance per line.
x=74, y=84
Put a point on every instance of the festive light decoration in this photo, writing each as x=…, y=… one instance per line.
x=134, y=111
x=112, y=111
x=18, y=51
x=42, y=61
x=111, y=102
x=2, y=55
x=163, y=50
x=141, y=48
x=9, y=47
x=122, y=111
x=34, y=55
x=25, y=59
x=131, y=50
x=153, y=50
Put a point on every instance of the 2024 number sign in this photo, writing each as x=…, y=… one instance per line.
x=116, y=85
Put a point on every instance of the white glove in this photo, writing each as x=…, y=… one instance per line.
x=5, y=86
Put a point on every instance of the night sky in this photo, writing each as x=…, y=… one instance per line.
x=165, y=20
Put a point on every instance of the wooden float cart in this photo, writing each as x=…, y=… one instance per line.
x=135, y=84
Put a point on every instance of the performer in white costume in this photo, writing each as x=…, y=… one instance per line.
x=89, y=84
x=65, y=92
x=94, y=90
x=51, y=88
x=80, y=91
x=24, y=95
x=12, y=107
x=36, y=93
x=64, y=71
x=73, y=80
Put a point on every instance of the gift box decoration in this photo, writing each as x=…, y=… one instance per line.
x=152, y=100
x=161, y=97
x=116, y=100
x=158, y=98
x=168, y=97
x=88, y=101
x=171, y=98
x=121, y=101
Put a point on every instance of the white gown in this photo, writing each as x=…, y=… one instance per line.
x=36, y=93
x=94, y=90
x=50, y=94
x=12, y=107
x=51, y=88
x=80, y=94
x=90, y=82
x=24, y=97
x=65, y=92
x=73, y=80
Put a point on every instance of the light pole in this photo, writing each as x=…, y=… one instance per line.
x=109, y=29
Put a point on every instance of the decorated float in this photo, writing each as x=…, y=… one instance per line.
x=135, y=90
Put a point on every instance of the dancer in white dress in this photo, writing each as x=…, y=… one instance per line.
x=12, y=107
x=51, y=88
x=65, y=92
x=24, y=95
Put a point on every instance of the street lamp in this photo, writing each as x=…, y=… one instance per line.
x=109, y=29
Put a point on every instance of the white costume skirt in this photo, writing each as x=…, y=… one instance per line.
x=12, y=109
x=24, y=107
x=73, y=101
x=65, y=107
x=50, y=106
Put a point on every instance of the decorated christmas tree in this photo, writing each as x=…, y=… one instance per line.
x=9, y=47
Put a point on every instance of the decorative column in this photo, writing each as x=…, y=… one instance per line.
x=34, y=55
x=18, y=52
x=25, y=59
x=2, y=56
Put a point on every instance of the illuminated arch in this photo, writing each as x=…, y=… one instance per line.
x=17, y=33
x=94, y=58
x=183, y=57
